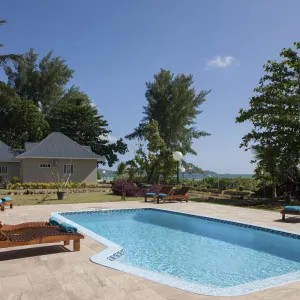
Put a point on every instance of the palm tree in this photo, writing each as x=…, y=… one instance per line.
x=4, y=60
x=267, y=159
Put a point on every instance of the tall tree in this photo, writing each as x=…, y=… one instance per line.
x=5, y=59
x=174, y=104
x=76, y=117
x=43, y=82
x=70, y=111
x=274, y=110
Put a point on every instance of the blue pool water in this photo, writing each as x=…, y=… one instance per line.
x=200, y=251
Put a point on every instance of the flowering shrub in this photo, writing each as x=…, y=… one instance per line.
x=3, y=182
x=130, y=189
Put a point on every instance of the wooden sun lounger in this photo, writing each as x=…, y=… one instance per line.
x=166, y=189
x=3, y=204
x=24, y=226
x=182, y=195
x=36, y=233
x=285, y=212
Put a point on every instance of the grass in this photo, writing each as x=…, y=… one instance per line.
x=96, y=197
x=232, y=202
x=216, y=201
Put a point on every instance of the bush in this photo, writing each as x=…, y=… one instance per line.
x=34, y=185
x=75, y=185
x=26, y=185
x=15, y=186
x=130, y=189
x=241, y=188
x=48, y=185
x=15, y=179
x=18, y=185
x=45, y=186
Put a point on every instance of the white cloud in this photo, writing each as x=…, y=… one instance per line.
x=221, y=62
x=109, y=137
x=112, y=138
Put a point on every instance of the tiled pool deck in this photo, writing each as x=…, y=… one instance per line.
x=51, y=272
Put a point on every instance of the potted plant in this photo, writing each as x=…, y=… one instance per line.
x=60, y=184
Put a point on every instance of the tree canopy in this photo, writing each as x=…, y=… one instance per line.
x=274, y=112
x=169, y=123
x=20, y=122
x=43, y=82
x=76, y=117
x=154, y=158
x=174, y=104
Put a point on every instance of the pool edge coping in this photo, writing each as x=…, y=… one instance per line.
x=108, y=256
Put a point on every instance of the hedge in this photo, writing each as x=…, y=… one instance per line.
x=46, y=186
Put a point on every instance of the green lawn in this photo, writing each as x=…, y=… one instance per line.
x=216, y=201
x=232, y=202
x=97, y=197
x=69, y=198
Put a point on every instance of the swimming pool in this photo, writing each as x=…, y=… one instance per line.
x=195, y=253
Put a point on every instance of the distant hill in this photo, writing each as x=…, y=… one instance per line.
x=226, y=175
x=112, y=173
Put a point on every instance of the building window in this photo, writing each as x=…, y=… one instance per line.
x=44, y=165
x=68, y=169
x=3, y=170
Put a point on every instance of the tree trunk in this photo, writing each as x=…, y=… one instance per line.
x=274, y=191
x=153, y=170
x=177, y=172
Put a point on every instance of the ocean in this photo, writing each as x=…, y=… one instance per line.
x=110, y=177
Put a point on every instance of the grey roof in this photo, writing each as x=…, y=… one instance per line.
x=7, y=154
x=88, y=148
x=57, y=145
x=30, y=146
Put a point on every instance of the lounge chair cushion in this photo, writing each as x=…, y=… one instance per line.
x=150, y=194
x=292, y=208
x=161, y=195
x=6, y=199
x=54, y=221
x=64, y=227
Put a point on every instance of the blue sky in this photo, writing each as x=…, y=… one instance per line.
x=116, y=46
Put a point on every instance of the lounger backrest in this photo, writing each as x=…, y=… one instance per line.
x=3, y=236
x=166, y=189
x=184, y=190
